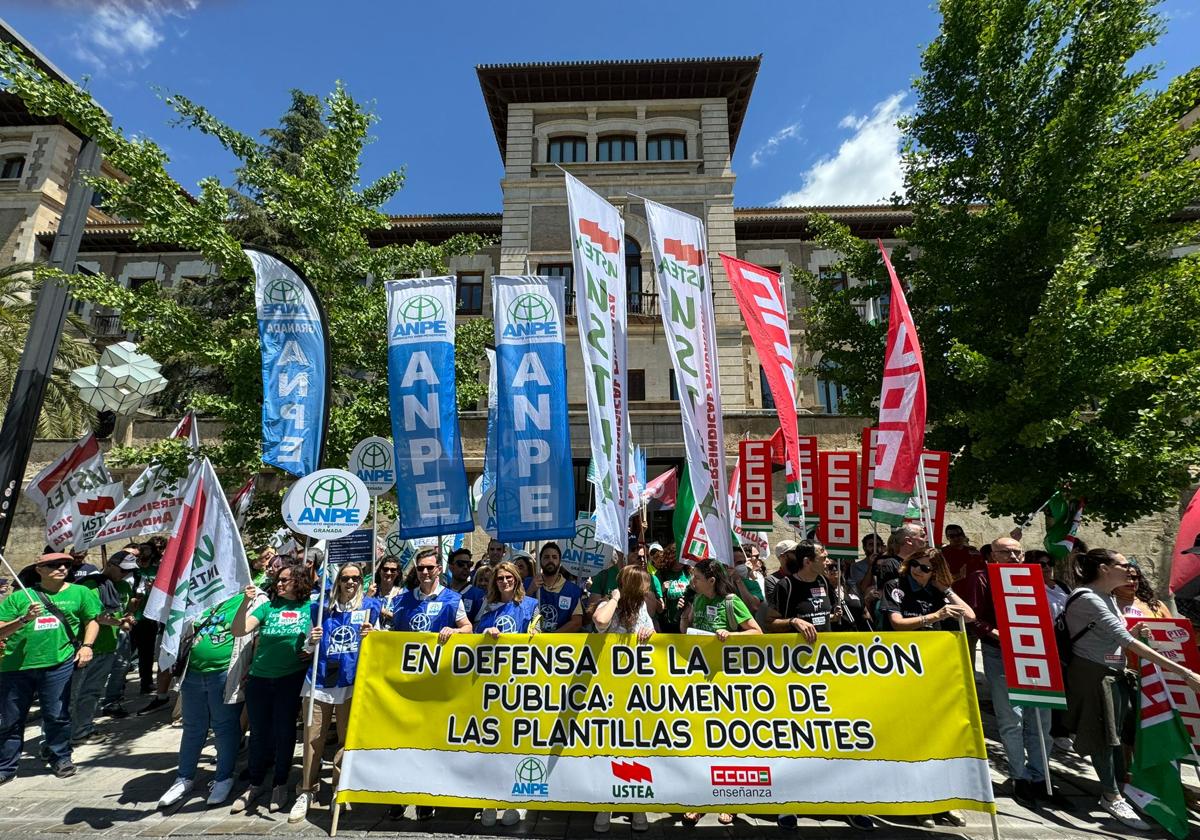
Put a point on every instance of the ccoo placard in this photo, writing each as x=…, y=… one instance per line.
x=374, y=461
x=327, y=504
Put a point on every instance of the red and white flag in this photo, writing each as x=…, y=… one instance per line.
x=900, y=432
x=76, y=474
x=243, y=499
x=660, y=491
x=203, y=565
x=759, y=294
x=154, y=500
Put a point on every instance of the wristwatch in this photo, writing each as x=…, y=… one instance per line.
x=87, y=645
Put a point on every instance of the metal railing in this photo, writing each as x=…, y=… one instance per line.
x=107, y=325
x=636, y=303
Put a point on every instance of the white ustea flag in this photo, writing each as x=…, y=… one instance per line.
x=204, y=563
x=685, y=300
x=597, y=243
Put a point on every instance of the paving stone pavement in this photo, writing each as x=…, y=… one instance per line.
x=116, y=791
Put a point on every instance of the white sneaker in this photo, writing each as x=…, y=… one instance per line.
x=1064, y=744
x=487, y=817
x=1121, y=811
x=177, y=791
x=639, y=821
x=603, y=819
x=510, y=817
x=300, y=807
x=220, y=791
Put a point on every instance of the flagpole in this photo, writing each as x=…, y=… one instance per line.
x=16, y=577
x=312, y=695
x=1042, y=744
x=375, y=541
x=926, y=512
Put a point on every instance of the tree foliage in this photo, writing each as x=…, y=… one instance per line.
x=298, y=193
x=1058, y=310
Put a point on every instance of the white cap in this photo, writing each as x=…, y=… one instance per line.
x=784, y=546
x=655, y=547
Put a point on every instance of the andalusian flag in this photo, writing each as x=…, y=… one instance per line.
x=1162, y=740
x=1063, y=516
x=691, y=540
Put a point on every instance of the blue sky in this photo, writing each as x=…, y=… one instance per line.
x=820, y=127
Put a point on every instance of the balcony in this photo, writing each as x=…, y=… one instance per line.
x=638, y=304
x=107, y=326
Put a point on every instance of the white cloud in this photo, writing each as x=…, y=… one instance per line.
x=771, y=145
x=122, y=33
x=866, y=168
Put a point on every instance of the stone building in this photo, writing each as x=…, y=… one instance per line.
x=660, y=129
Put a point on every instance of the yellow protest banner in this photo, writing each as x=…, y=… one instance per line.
x=856, y=724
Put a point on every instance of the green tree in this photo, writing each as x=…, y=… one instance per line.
x=64, y=414
x=298, y=193
x=1049, y=180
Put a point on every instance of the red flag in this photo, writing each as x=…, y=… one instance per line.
x=900, y=435
x=661, y=490
x=1185, y=563
x=760, y=297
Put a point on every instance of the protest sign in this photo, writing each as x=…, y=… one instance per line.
x=1173, y=638
x=326, y=504
x=766, y=724
x=373, y=461
x=754, y=485
x=585, y=555
x=355, y=547
x=78, y=472
x=838, y=528
x=1031, y=665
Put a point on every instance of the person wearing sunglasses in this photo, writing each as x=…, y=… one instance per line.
x=921, y=598
x=430, y=607
x=1099, y=698
x=276, y=675
x=348, y=616
x=48, y=633
x=460, y=581
x=507, y=610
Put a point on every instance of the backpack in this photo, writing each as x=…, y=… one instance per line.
x=1063, y=637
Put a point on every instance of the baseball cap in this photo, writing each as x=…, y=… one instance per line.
x=784, y=546
x=654, y=546
x=54, y=556
x=518, y=552
x=123, y=559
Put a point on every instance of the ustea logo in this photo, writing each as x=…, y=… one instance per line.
x=530, y=315
x=638, y=780
x=420, y=315
x=330, y=499
x=530, y=778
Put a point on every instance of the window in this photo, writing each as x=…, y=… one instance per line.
x=136, y=283
x=633, y=275
x=470, y=292
x=666, y=147
x=829, y=391
x=836, y=279
x=567, y=150
x=12, y=167
x=617, y=147
x=636, y=383
x=768, y=399
x=567, y=272
x=672, y=388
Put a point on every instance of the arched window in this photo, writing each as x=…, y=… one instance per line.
x=616, y=147
x=11, y=167
x=567, y=150
x=666, y=147
x=633, y=275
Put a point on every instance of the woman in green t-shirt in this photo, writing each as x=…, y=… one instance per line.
x=276, y=674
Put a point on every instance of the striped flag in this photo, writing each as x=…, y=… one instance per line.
x=1063, y=516
x=1162, y=740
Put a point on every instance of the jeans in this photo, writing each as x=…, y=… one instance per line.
x=53, y=688
x=1020, y=726
x=272, y=704
x=86, y=687
x=115, y=692
x=204, y=707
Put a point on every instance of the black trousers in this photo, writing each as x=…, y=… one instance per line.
x=272, y=704
x=143, y=638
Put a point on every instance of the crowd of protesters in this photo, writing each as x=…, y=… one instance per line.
x=251, y=667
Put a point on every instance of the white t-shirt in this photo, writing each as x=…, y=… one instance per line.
x=643, y=621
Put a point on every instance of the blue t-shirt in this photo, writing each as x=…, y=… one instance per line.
x=341, y=638
x=512, y=617
x=415, y=615
x=556, y=607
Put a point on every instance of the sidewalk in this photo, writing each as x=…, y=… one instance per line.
x=118, y=785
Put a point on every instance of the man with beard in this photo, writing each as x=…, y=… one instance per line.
x=560, y=602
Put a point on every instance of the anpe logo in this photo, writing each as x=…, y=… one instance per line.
x=282, y=290
x=331, y=499
x=420, y=315
x=729, y=776
x=394, y=546
x=374, y=456
x=530, y=314
x=637, y=775
x=530, y=778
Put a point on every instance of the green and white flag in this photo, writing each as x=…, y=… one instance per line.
x=1063, y=516
x=1162, y=740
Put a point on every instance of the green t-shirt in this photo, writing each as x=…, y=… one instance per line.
x=283, y=627
x=712, y=614
x=674, y=585
x=43, y=643
x=606, y=581
x=212, y=645
x=106, y=639
x=753, y=588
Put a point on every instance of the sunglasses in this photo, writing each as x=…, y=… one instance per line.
x=922, y=567
x=284, y=581
x=355, y=579
x=388, y=571
x=56, y=564
x=426, y=568
x=499, y=578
